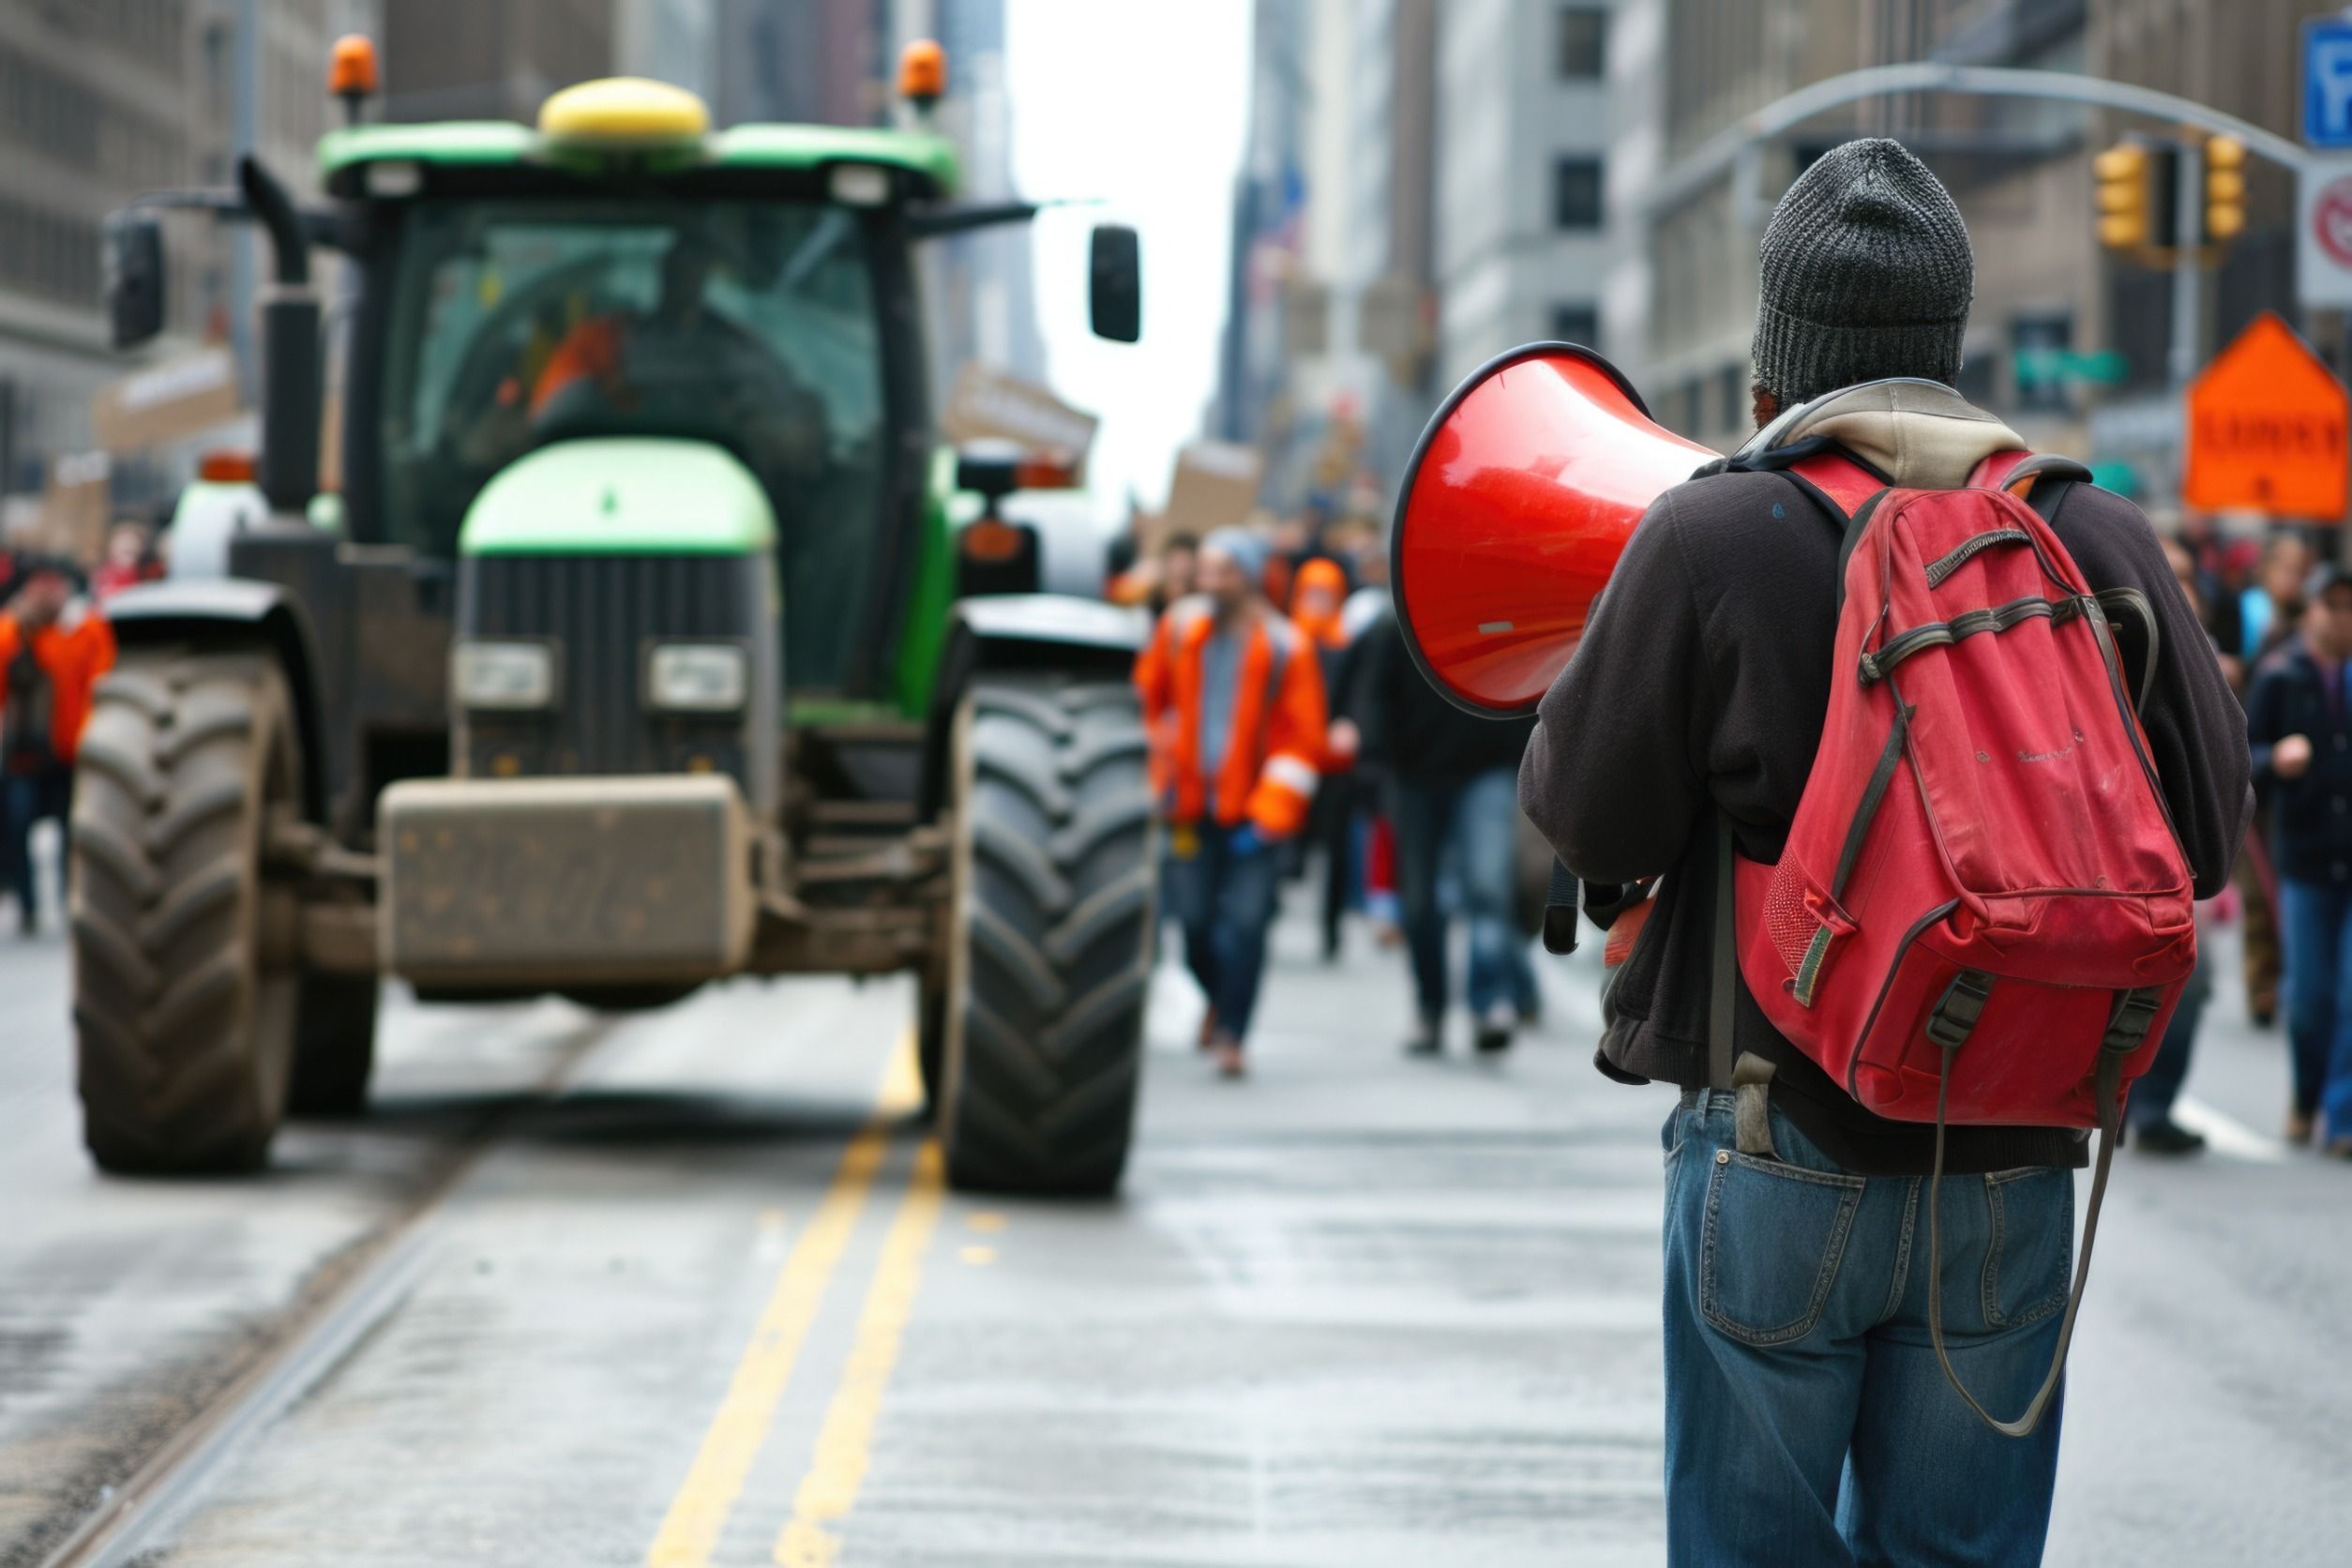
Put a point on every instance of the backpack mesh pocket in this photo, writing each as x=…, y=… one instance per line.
x=1790, y=925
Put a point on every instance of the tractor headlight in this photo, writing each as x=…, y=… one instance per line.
x=502, y=675
x=697, y=677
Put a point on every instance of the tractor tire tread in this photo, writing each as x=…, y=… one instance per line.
x=1046, y=1032
x=177, y=1062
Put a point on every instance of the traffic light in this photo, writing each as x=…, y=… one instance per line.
x=2122, y=172
x=2224, y=189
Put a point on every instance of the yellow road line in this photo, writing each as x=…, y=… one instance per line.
x=838, y=1469
x=697, y=1514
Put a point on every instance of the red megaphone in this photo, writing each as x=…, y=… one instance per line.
x=1517, y=505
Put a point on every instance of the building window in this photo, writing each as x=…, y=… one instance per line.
x=1577, y=323
x=2040, y=344
x=1583, y=42
x=1980, y=381
x=1576, y=193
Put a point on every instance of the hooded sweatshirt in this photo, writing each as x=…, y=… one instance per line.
x=1701, y=686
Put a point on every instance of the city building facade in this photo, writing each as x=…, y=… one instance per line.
x=1329, y=362
x=100, y=100
x=1525, y=191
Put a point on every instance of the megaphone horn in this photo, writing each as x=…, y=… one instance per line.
x=1519, y=501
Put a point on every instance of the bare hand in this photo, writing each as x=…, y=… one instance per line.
x=1343, y=739
x=2291, y=756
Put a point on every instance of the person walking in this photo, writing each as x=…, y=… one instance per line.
x=1234, y=698
x=2298, y=723
x=1807, y=1418
x=1318, y=606
x=52, y=650
x=1450, y=778
x=2271, y=609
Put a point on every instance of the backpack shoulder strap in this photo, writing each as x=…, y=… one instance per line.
x=1841, y=484
x=1847, y=492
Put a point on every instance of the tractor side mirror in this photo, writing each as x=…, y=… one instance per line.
x=1115, y=283
x=132, y=265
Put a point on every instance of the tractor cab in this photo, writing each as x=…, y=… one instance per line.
x=624, y=275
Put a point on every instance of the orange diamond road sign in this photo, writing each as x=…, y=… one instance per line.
x=2268, y=429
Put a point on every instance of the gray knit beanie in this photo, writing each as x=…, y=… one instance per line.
x=1866, y=274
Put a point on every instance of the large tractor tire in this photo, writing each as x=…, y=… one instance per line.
x=185, y=1018
x=1050, y=955
x=335, y=1045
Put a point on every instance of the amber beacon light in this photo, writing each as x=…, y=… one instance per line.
x=352, y=73
x=923, y=73
x=1514, y=510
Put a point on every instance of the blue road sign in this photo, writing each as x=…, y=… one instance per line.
x=2328, y=83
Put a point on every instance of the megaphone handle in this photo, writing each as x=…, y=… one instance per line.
x=1559, y=909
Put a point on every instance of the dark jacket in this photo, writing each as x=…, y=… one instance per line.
x=2311, y=817
x=1701, y=684
x=1410, y=733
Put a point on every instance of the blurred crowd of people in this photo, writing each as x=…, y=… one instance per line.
x=55, y=644
x=1292, y=736
x=2280, y=613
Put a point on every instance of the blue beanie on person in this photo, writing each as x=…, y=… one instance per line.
x=1240, y=546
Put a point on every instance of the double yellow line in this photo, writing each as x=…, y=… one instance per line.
x=697, y=1514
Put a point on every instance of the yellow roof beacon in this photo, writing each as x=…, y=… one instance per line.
x=623, y=114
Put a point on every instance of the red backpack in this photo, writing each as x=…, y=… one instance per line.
x=1983, y=914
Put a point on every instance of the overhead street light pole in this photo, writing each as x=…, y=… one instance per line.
x=2187, y=210
x=1725, y=149
x=1736, y=149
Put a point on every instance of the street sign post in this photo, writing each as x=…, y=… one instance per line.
x=2323, y=232
x=2328, y=83
x=2268, y=429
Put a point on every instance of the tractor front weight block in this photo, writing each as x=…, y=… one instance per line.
x=558, y=883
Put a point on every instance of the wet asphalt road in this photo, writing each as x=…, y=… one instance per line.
x=704, y=1302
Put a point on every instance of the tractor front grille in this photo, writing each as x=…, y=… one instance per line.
x=603, y=612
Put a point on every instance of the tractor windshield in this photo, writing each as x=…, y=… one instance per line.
x=750, y=324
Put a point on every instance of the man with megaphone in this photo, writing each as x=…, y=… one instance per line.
x=1828, y=1265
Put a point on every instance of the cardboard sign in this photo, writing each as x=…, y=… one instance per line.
x=1215, y=484
x=2268, y=429
x=76, y=509
x=169, y=402
x=989, y=405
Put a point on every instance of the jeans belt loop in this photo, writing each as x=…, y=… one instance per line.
x=1751, y=1076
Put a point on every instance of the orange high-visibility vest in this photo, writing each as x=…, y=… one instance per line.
x=1267, y=776
x=73, y=658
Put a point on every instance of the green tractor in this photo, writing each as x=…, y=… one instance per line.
x=633, y=650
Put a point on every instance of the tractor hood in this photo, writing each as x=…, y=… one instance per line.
x=630, y=495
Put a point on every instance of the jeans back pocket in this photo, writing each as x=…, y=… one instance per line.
x=1774, y=1236
x=2030, y=1250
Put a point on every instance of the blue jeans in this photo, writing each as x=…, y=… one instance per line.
x=1476, y=820
x=1224, y=900
x=25, y=798
x=1807, y=1420
x=2316, y=919
x=2159, y=1086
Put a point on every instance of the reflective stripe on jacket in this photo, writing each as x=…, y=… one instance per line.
x=1267, y=775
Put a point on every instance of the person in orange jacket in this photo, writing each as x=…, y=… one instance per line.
x=52, y=653
x=1233, y=699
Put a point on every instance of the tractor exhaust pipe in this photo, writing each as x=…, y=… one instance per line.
x=292, y=383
